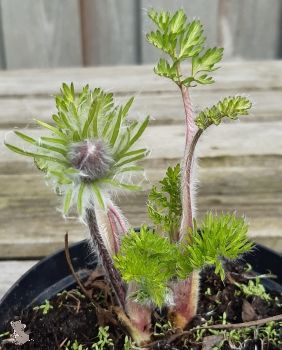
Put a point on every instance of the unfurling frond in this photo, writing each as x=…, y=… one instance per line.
x=229, y=107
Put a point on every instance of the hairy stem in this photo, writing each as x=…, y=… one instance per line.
x=115, y=232
x=120, y=218
x=187, y=217
x=186, y=292
x=190, y=123
x=140, y=338
x=106, y=260
x=186, y=300
x=140, y=315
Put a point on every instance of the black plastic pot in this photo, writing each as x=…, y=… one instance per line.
x=52, y=275
x=48, y=277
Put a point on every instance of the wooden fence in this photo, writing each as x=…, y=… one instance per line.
x=74, y=33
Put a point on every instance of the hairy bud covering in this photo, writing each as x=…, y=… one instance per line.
x=91, y=157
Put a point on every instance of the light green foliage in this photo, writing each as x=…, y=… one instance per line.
x=229, y=107
x=199, y=334
x=90, y=116
x=74, y=346
x=4, y=334
x=223, y=318
x=127, y=343
x=77, y=292
x=150, y=261
x=164, y=206
x=236, y=338
x=208, y=291
x=270, y=333
x=160, y=329
x=182, y=40
x=104, y=339
x=219, y=236
x=254, y=289
x=46, y=307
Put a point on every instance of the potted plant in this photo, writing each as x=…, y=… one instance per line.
x=91, y=155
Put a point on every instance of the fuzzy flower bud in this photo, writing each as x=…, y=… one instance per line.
x=91, y=157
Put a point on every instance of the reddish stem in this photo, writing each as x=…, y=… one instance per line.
x=187, y=219
x=186, y=300
x=107, y=263
x=114, y=230
x=119, y=217
x=140, y=315
x=190, y=123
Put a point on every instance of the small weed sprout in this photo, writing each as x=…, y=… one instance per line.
x=270, y=333
x=104, y=339
x=46, y=307
x=80, y=295
x=74, y=346
x=4, y=334
x=127, y=343
x=254, y=289
x=208, y=291
x=160, y=329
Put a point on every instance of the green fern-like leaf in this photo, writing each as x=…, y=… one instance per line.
x=164, y=206
x=182, y=40
x=150, y=261
x=220, y=236
x=229, y=107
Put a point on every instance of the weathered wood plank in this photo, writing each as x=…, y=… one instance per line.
x=30, y=208
x=164, y=108
x=250, y=29
x=109, y=32
x=247, y=29
x=236, y=173
x=226, y=140
x=205, y=10
x=239, y=77
x=41, y=33
x=241, y=164
x=2, y=46
x=48, y=33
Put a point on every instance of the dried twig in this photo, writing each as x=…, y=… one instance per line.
x=241, y=325
x=63, y=342
x=173, y=337
x=87, y=294
x=78, y=301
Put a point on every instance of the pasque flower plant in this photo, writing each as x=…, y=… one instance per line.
x=90, y=155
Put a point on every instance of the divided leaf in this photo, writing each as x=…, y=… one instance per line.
x=150, y=261
x=220, y=236
x=181, y=40
x=164, y=206
x=229, y=107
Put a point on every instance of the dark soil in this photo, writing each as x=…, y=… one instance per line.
x=73, y=318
